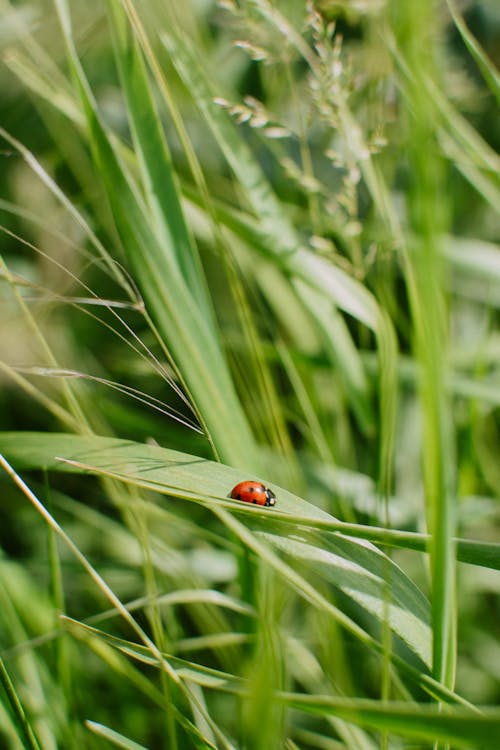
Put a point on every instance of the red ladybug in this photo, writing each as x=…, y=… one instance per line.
x=253, y=492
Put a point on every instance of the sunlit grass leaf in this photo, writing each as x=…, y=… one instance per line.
x=365, y=574
x=180, y=474
x=463, y=728
x=115, y=738
x=356, y=567
x=187, y=670
x=150, y=466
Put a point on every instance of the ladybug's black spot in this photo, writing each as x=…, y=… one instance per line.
x=254, y=502
x=251, y=489
x=238, y=496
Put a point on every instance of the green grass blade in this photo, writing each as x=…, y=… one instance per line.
x=277, y=236
x=369, y=578
x=171, y=472
x=14, y=707
x=356, y=567
x=200, y=480
x=460, y=142
x=154, y=159
x=275, y=226
x=103, y=586
x=182, y=323
x=310, y=293
x=425, y=278
x=117, y=653
x=463, y=728
x=187, y=670
x=115, y=738
x=227, y=222
x=485, y=65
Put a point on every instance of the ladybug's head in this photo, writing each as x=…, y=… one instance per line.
x=271, y=497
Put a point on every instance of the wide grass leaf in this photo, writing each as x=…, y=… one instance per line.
x=370, y=578
x=355, y=566
x=464, y=728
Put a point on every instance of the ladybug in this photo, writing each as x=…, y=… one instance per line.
x=253, y=492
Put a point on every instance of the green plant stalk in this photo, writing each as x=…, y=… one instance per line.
x=278, y=238
x=427, y=206
x=16, y=711
x=485, y=65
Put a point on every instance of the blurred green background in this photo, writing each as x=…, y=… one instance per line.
x=265, y=234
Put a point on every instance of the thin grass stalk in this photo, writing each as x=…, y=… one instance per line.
x=428, y=207
x=26, y=734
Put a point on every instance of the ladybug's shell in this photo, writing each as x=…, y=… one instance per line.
x=253, y=492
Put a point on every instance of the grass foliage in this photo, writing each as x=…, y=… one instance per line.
x=249, y=239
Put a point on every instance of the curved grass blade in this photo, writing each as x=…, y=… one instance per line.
x=303, y=292
x=180, y=474
x=356, y=567
x=154, y=159
x=462, y=727
x=187, y=670
x=182, y=323
x=366, y=575
x=485, y=65
x=116, y=739
x=14, y=707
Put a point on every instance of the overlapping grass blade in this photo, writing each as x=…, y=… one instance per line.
x=279, y=239
x=464, y=728
x=115, y=738
x=319, y=318
x=485, y=65
x=154, y=161
x=181, y=320
x=180, y=474
x=15, y=710
x=357, y=567
x=360, y=571
x=187, y=670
